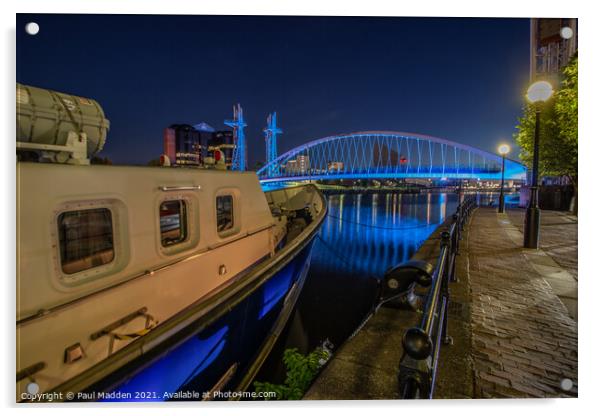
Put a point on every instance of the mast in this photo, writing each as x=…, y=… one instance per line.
x=271, y=132
x=239, y=156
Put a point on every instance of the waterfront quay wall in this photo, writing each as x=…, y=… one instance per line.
x=365, y=367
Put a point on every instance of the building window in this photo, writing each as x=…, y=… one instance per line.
x=225, y=213
x=85, y=239
x=172, y=218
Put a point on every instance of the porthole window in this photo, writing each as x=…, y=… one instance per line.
x=173, y=222
x=85, y=239
x=225, y=213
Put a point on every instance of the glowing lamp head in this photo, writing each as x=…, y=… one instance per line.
x=539, y=92
x=566, y=32
x=504, y=149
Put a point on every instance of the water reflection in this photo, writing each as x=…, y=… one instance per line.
x=361, y=237
x=364, y=239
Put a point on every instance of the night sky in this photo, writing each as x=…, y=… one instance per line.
x=459, y=79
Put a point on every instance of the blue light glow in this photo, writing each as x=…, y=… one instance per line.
x=376, y=154
x=239, y=156
x=177, y=368
x=275, y=289
x=370, y=233
x=271, y=135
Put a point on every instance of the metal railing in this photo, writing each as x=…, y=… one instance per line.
x=422, y=344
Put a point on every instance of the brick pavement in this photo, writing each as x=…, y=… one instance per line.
x=558, y=235
x=524, y=343
x=557, y=258
x=513, y=336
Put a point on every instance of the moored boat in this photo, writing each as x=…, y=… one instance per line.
x=145, y=283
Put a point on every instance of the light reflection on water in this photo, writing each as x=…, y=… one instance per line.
x=363, y=235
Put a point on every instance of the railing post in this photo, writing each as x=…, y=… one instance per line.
x=456, y=236
x=414, y=378
x=463, y=213
x=445, y=244
x=421, y=344
x=460, y=226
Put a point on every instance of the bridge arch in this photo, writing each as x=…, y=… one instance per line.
x=387, y=154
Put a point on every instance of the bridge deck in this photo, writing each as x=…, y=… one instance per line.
x=387, y=154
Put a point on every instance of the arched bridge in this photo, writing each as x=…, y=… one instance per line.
x=387, y=154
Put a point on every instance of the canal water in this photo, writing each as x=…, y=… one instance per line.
x=362, y=236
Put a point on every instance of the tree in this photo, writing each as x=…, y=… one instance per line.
x=97, y=160
x=558, y=130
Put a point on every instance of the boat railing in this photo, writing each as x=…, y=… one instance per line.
x=292, y=198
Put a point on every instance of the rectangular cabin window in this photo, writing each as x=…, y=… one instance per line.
x=225, y=213
x=85, y=239
x=172, y=218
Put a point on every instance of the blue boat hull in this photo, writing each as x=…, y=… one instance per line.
x=221, y=357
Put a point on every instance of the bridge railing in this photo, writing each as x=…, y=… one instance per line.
x=422, y=344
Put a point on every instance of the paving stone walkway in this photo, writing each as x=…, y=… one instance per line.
x=513, y=335
x=558, y=236
x=524, y=343
x=557, y=258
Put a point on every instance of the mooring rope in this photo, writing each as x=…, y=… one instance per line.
x=342, y=257
x=349, y=263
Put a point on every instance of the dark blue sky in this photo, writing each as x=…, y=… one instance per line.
x=460, y=79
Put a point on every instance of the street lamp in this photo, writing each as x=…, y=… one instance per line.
x=538, y=93
x=503, y=150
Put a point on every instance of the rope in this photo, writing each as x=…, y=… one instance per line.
x=345, y=260
x=151, y=322
x=341, y=257
x=381, y=227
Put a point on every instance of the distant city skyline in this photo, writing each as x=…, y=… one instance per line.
x=459, y=79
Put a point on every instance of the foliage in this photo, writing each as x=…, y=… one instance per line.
x=301, y=371
x=566, y=103
x=558, y=129
x=97, y=160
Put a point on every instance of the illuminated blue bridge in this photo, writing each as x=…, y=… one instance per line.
x=387, y=154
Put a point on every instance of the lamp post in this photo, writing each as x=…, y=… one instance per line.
x=503, y=150
x=538, y=93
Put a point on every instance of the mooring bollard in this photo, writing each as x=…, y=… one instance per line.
x=400, y=281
